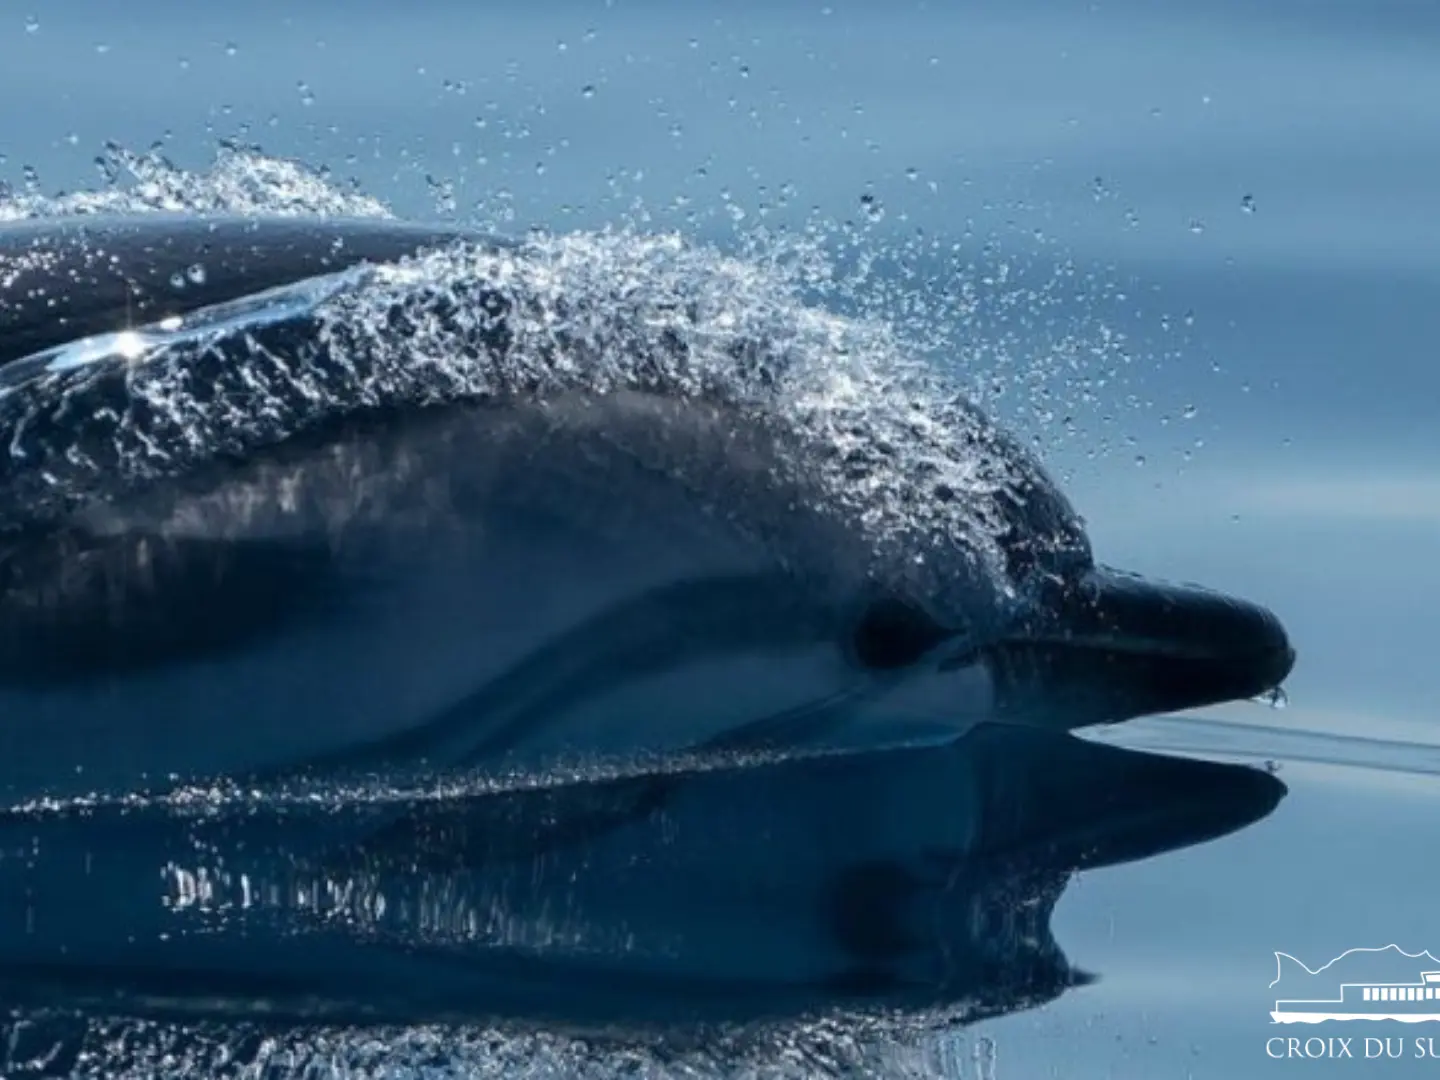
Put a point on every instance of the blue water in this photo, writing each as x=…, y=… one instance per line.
x=1247, y=192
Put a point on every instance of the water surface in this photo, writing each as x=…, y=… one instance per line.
x=1247, y=195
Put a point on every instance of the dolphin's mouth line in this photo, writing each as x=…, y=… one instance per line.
x=1158, y=650
x=1131, y=649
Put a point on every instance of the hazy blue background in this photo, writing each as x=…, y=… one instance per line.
x=1255, y=187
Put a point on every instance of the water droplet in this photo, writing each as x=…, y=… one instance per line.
x=443, y=192
x=307, y=96
x=196, y=274
x=984, y=1057
x=102, y=48
x=1275, y=697
x=32, y=24
x=912, y=173
x=1190, y=412
x=590, y=34
x=184, y=63
x=539, y=168
x=744, y=71
x=587, y=91
x=1140, y=460
x=231, y=48
x=1197, y=227
x=560, y=46
x=1247, y=204
x=177, y=280
x=871, y=207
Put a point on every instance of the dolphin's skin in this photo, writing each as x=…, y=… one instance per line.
x=504, y=581
x=73, y=278
x=909, y=878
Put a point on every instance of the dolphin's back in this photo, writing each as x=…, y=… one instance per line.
x=68, y=280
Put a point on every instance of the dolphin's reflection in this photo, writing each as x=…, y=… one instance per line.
x=908, y=878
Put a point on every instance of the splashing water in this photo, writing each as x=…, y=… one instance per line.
x=880, y=434
x=242, y=181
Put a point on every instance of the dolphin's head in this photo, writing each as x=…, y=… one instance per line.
x=1080, y=643
x=1090, y=644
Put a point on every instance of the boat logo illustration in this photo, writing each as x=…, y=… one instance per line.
x=1360, y=984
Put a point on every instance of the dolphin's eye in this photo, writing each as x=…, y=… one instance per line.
x=894, y=633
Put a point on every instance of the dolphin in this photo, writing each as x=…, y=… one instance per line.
x=517, y=577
